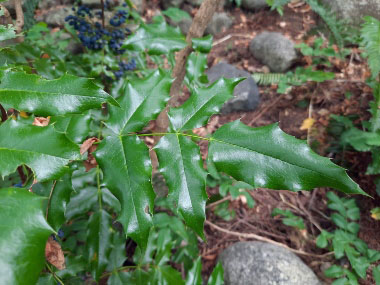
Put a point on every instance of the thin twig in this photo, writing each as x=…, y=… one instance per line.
x=228, y=198
x=49, y=200
x=226, y=38
x=60, y=282
x=260, y=238
x=102, y=4
x=19, y=19
x=266, y=109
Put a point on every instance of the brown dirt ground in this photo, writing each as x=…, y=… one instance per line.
x=324, y=99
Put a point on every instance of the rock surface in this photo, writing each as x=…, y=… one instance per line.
x=354, y=10
x=254, y=4
x=259, y=263
x=57, y=17
x=246, y=93
x=273, y=50
x=218, y=23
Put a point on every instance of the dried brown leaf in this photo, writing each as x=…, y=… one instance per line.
x=54, y=254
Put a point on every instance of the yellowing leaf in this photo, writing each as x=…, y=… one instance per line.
x=307, y=124
x=23, y=114
x=375, y=213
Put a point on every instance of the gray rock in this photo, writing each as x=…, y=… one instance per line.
x=259, y=263
x=354, y=10
x=254, y=4
x=246, y=93
x=171, y=3
x=57, y=17
x=273, y=50
x=218, y=23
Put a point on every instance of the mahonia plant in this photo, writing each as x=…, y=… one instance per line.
x=261, y=157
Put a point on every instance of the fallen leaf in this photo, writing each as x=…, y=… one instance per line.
x=87, y=144
x=41, y=121
x=375, y=213
x=307, y=124
x=54, y=254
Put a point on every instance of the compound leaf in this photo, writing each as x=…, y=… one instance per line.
x=23, y=235
x=267, y=157
x=127, y=174
x=157, y=38
x=44, y=150
x=143, y=101
x=32, y=93
x=181, y=164
x=196, y=111
x=75, y=126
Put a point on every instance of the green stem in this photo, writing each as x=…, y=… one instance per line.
x=99, y=189
x=54, y=275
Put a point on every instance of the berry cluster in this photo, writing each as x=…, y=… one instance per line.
x=96, y=37
x=123, y=67
x=93, y=35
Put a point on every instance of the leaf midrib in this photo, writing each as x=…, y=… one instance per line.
x=302, y=167
x=48, y=92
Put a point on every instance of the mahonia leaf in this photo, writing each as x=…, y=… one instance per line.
x=181, y=164
x=196, y=111
x=194, y=274
x=267, y=157
x=143, y=101
x=23, y=235
x=32, y=93
x=157, y=38
x=75, y=126
x=216, y=275
x=58, y=193
x=195, y=67
x=127, y=174
x=98, y=242
x=44, y=150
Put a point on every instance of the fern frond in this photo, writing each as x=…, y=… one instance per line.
x=371, y=43
x=275, y=78
x=331, y=21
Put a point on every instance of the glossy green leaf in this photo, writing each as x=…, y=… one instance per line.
x=32, y=93
x=181, y=164
x=44, y=150
x=82, y=202
x=156, y=38
x=23, y=235
x=58, y=193
x=267, y=157
x=98, y=242
x=195, y=67
x=143, y=101
x=76, y=127
x=202, y=45
x=127, y=172
x=194, y=276
x=117, y=255
x=217, y=275
x=196, y=111
x=167, y=275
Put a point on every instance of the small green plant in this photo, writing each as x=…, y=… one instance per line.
x=289, y=218
x=345, y=243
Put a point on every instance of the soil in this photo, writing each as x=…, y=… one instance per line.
x=314, y=100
